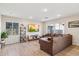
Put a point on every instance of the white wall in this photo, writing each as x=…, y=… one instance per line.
x=15, y=38
x=72, y=31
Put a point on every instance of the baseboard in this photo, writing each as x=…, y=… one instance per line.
x=77, y=44
x=12, y=43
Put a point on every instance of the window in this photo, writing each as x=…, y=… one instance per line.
x=9, y=28
x=12, y=28
x=15, y=28
x=57, y=28
x=50, y=29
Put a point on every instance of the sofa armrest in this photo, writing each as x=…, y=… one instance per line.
x=46, y=46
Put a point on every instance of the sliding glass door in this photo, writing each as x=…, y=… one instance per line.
x=12, y=29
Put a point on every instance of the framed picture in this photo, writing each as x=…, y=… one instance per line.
x=33, y=28
x=73, y=24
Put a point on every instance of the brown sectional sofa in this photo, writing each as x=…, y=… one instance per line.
x=55, y=44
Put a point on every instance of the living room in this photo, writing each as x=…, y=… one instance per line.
x=23, y=26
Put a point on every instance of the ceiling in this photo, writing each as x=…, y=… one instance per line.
x=39, y=11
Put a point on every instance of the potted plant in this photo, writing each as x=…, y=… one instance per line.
x=4, y=35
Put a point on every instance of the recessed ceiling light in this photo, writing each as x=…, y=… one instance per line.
x=58, y=15
x=45, y=10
